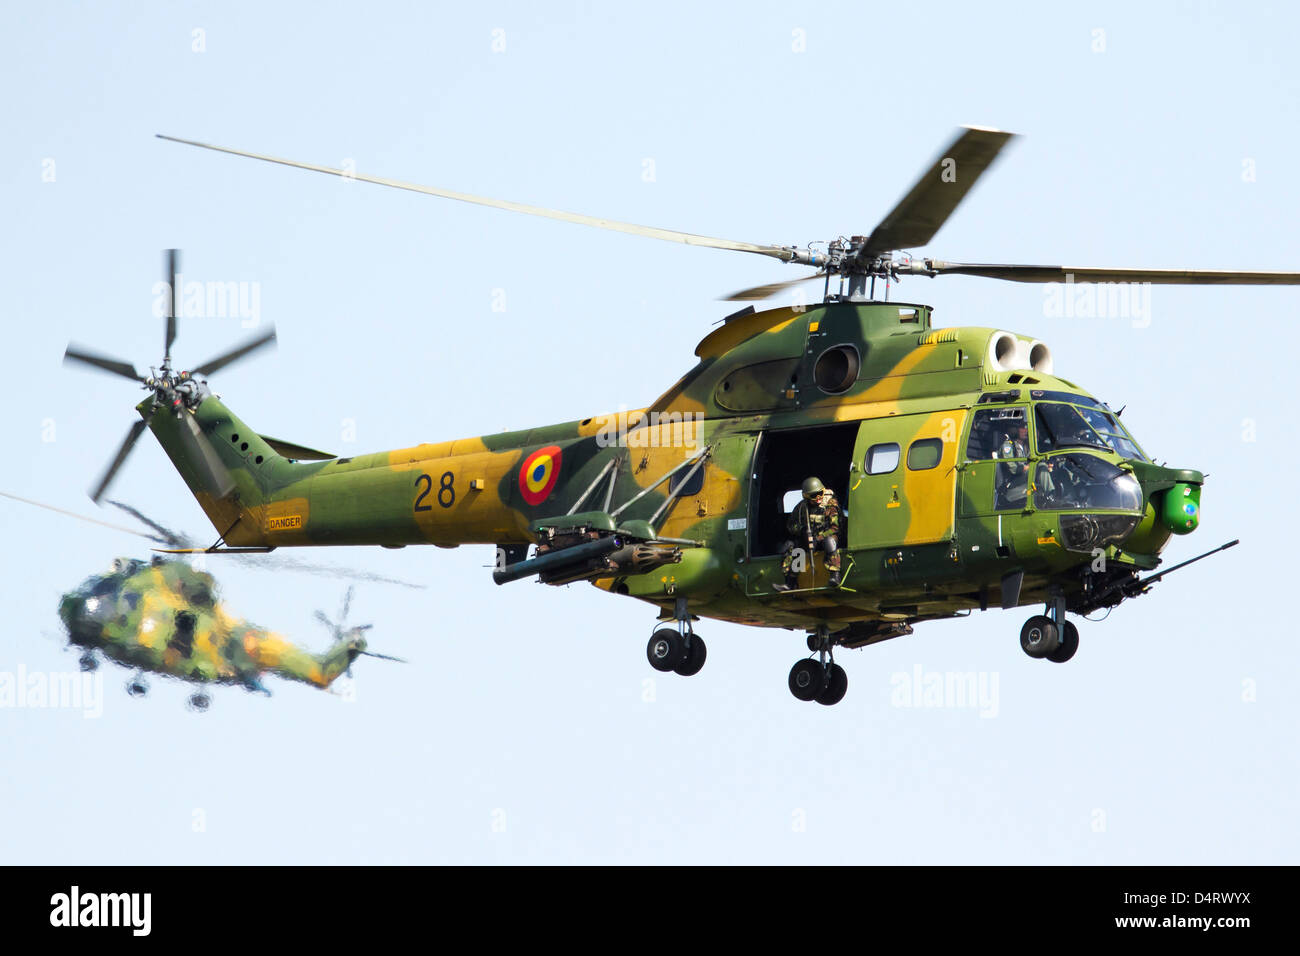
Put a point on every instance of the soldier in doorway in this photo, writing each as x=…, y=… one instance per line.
x=814, y=525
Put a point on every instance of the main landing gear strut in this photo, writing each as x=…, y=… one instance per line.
x=677, y=648
x=1049, y=635
x=819, y=678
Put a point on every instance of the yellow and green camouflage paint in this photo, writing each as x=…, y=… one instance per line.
x=165, y=617
x=843, y=388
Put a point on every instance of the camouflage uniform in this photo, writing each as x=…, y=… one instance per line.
x=823, y=516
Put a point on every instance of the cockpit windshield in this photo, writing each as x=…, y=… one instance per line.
x=1105, y=424
x=1061, y=426
x=1078, y=482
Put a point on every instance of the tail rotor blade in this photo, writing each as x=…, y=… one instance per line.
x=171, y=268
x=102, y=362
x=215, y=476
x=234, y=355
x=131, y=437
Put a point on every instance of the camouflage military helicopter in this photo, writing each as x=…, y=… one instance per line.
x=164, y=616
x=970, y=474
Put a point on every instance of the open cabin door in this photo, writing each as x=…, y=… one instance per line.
x=785, y=457
x=904, y=479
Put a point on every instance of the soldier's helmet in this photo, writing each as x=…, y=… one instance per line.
x=812, y=487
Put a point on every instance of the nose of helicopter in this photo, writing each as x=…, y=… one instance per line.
x=1171, y=505
x=1180, y=507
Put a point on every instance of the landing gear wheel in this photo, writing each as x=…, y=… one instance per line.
x=87, y=662
x=666, y=650
x=694, y=658
x=1069, y=644
x=136, y=687
x=199, y=702
x=807, y=679
x=1039, y=637
x=837, y=685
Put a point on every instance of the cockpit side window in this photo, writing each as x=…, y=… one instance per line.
x=992, y=428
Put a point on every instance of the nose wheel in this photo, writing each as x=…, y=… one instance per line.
x=137, y=686
x=1039, y=636
x=1052, y=638
x=1069, y=644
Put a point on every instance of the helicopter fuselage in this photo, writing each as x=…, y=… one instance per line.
x=968, y=472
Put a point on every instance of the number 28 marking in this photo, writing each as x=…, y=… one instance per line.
x=446, y=491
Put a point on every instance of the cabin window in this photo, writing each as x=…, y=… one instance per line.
x=924, y=453
x=678, y=485
x=882, y=459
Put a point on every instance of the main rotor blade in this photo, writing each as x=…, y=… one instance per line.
x=754, y=293
x=173, y=539
x=171, y=266
x=169, y=536
x=918, y=216
x=72, y=514
x=1015, y=272
x=328, y=570
x=235, y=354
x=131, y=437
x=651, y=232
x=386, y=657
x=102, y=362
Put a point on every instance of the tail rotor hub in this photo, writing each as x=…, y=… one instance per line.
x=178, y=392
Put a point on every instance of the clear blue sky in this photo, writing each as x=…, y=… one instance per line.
x=519, y=732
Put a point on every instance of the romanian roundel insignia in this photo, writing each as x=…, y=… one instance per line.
x=538, y=474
